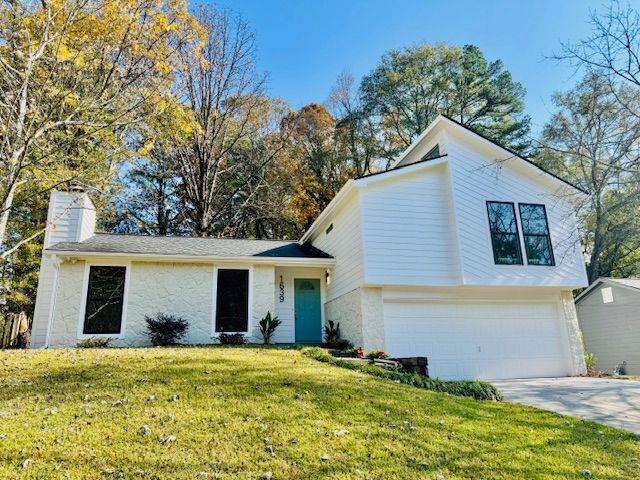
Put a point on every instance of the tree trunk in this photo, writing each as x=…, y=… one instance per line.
x=593, y=272
x=6, y=210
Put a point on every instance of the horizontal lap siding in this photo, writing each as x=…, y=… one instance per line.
x=344, y=243
x=44, y=301
x=611, y=331
x=408, y=231
x=477, y=178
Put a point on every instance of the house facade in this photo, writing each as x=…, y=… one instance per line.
x=609, y=317
x=464, y=252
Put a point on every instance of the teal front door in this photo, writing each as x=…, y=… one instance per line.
x=307, y=310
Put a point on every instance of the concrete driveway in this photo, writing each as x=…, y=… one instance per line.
x=608, y=401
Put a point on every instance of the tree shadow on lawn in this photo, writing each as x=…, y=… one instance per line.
x=458, y=434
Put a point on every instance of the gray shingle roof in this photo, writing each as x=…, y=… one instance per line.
x=628, y=282
x=190, y=246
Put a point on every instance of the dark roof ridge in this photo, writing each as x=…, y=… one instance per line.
x=513, y=152
x=400, y=167
x=193, y=237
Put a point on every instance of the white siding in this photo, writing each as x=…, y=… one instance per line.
x=44, y=300
x=71, y=218
x=480, y=175
x=344, y=243
x=408, y=230
x=611, y=331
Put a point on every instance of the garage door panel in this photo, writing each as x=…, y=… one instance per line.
x=479, y=340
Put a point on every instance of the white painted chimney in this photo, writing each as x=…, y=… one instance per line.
x=71, y=217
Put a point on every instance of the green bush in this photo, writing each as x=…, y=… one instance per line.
x=376, y=354
x=165, y=329
x=268, y=327
x=97, y=342
x=464, y=388
x=331, y=332
x=590, y=360
x=231, y=339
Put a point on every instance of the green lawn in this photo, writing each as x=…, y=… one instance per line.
x=242, y=412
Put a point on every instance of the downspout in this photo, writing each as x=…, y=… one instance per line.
x=55, y=261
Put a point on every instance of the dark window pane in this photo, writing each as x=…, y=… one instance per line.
x=105, y=295
x=535, y=230
x=502, y=218
x=504, y=233
x=534, y=219
x=538, y=250
x=232, y=301
x=431, y=154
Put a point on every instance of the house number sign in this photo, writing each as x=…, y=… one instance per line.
x=281, y=289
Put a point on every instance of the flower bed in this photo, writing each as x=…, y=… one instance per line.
x=464, y=388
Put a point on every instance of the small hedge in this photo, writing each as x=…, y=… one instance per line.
x=462, y=388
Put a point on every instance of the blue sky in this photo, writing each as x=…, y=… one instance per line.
x=305, y=44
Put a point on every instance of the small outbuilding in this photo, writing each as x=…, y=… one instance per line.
x=609, y=316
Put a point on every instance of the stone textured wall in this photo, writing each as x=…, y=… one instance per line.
x=372, y=319
x=347, y=310
x=66, y=315
x=576, y=347
x=181, y=289
x=263, y=297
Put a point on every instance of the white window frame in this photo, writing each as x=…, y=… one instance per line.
x=125, y=299
x=214, y=300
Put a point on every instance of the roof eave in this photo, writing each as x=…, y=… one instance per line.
x=152, y=257
x=333, y=204
x=599, y=281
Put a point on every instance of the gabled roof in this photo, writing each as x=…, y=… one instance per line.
x=227, y=248
x=444, y=118
x=629, y=283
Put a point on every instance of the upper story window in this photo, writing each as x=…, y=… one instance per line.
x=105, y=300
x=432, y=153
x=504, y=233
x=535, y=230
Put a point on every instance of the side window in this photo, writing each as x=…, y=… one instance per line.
x=535, y=230
x=504, y=233
x=105, y=297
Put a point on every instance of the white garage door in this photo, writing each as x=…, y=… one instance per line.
x=479, y=340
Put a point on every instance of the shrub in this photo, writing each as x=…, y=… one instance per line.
x=621, y=368
x=231, y=339
x=473, y=388
x=356, y=352
x=332, y=332
x=376, y=354
x=98, y=342
x=342, y=344
x=590, y=360
x=268, y=327
x=164, y=329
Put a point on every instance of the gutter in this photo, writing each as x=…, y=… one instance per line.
x=151, y=257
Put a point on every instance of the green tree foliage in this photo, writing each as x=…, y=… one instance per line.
x=410, y=87
x=78, y=72
x=594, y=142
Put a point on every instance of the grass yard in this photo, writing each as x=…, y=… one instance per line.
x=187, y=413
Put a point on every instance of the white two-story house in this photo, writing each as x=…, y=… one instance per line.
x=464, y=252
